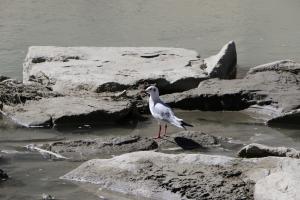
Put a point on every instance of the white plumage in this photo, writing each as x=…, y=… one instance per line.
x=162, y=112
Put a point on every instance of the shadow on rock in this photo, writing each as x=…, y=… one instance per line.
x=186, y=143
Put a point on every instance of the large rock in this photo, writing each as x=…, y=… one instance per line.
x=84, y=149
x=117, y=68
x=77, y=85
x=282, y=182
x=272, y=89
x=165, y=176
x=259, y=150
x=193, y=176
x=223, y=64
x=68, y=110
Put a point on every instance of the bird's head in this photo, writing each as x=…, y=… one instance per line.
x=153, y=91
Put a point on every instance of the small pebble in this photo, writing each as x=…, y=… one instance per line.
x=47, y=197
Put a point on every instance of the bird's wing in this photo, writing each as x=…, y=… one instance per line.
x=165, y=113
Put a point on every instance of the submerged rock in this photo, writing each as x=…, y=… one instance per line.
x=105, y=146
x=271, y=89
x=3, y=176
x=258, y=150
x=192, y=176
x=103, y=69
x=89, y=148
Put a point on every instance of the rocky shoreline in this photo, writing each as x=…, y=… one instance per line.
x=85, y=83
x=192, y=176
x=86, y=96
x=96, y=86
x=142, y=167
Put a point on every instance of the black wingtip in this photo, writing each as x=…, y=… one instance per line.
x=183, y=124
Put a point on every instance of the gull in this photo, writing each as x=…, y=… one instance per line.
x=162, y=112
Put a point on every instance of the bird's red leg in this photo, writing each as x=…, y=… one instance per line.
x=166, y=126
x=158, y=136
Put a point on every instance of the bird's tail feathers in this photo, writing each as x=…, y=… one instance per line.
x=180, y=123
x=184, y=124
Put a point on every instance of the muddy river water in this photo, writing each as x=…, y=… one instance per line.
x=264, y=31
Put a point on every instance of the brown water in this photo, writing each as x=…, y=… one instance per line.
x=264, y=31
x=32, y=175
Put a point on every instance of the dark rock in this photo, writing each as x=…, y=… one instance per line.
x=258, y=150
x=271, y=89
x=3, y=175
x=14, y=92
x=3, y=78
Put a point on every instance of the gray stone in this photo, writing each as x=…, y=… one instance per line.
x=279, y=66
x=193, y=176
x=223, y=64
x=68, y=110
x=258, y=150
x=164, y=176
x=103, y=69
x=272, y=89
x=282, y=181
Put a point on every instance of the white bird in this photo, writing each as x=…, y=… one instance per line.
x=162, y=112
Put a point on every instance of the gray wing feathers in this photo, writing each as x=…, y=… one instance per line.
x=166, y=114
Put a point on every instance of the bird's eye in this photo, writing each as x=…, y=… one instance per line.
x=154, y=89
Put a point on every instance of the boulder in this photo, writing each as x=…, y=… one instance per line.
x=165, y=176
x=113, y=69
x=282, y=182
x=271, y=89
x=258, y=150
x=193, y=176
x=223, y=64
x=68, y=111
